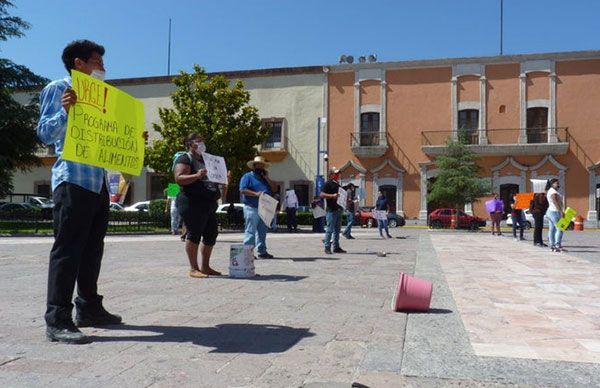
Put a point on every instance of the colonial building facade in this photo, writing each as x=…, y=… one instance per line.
x=526, y=116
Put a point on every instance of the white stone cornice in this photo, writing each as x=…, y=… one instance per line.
x=506, y=161
x=357, y=167
x=548, y=158
x=390, y=163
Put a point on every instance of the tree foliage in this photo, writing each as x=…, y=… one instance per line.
x=216, y=109
x=458, y=181
x=17, y=121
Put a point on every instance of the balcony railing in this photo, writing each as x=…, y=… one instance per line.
x=518, y=141
x=368, y=144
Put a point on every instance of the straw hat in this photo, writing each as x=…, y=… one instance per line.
x=258, y=159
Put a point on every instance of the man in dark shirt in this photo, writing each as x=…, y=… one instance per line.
x=351, y=189
x=334, y=212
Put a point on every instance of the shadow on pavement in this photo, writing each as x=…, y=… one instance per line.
x=225, y=338
x=432, y=311
x=274, y=277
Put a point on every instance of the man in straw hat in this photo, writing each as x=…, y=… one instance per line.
x=334, y=212
x=252, y=185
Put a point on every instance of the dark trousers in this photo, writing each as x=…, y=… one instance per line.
x=290, y=218
x=80, y=222
x=537, y=228
x=518, y=222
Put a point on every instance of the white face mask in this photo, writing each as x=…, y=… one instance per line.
x=200, y=147
x=98, y=74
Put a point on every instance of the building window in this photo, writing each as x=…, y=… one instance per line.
x=275, y=139
x=42, y=189
x=369, y=129
x=390, y=194
x=157, y=186
x=302, y=192
x=468, y=125
x=537, y=125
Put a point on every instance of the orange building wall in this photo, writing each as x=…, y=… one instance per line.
x=502, y=92
x=578, y=107
x=468, y=88
x=370, y=92
x=340, y=112
x=538, y=86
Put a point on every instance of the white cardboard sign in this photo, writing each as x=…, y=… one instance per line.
x=215, y=167
x=266, y=208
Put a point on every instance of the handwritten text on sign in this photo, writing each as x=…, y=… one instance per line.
x=104, y=127
x=215, y=167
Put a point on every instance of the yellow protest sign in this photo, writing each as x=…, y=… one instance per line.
x=104, y=127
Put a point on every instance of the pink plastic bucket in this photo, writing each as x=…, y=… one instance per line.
x=412, y=294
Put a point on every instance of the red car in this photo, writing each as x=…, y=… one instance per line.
x=364, y=217
x=442, y=218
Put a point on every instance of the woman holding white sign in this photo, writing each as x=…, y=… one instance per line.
x=197, y=204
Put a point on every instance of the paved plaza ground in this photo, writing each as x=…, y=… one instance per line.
x=503, y=313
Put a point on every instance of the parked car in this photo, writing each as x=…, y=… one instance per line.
x=16, y=206
x=363, y=216
x=239, y=207
x=116, y=207
x=442, y=218
x=530, y=222
x=143, y=206
x=42, y=202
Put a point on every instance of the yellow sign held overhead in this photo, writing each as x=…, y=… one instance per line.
x=105, y=127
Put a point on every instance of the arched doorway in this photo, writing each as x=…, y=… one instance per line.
x=390, y=193
x=507, y=191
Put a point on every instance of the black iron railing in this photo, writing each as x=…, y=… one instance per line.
x=367, y=139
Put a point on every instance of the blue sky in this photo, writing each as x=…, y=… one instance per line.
x=253, y=34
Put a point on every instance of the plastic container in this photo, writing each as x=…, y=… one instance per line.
x=241, y=261
x=412, y=294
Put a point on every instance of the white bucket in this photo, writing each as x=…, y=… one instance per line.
x=241, y=261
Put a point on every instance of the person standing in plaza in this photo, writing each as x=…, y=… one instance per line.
x=350, y=208
x=382, y=205
x=80, y=213
x=330, y=193
x=291, y=206
x=496, y=210
x=555, y=213
x=197, y=205
x=252, y=185
x=171, y=208
x=537, y=208
x=516, y=216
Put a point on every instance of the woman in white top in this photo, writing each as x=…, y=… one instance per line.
x=554, y=213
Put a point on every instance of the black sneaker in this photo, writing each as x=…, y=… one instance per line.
x=350, y=237
x=66, y=333
x=265, y=256
x=101, y=318
x=339, y=250
x=328, y=251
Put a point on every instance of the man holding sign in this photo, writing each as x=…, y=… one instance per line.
x=81, y=206
x=331, y=193
x=254, y=184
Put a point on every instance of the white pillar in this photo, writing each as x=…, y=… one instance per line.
x=454, y=102
x=592, y=214
x=382, y=116
x=400, y=194
x=423, y=211
x=552, y=138
x=483, y=110
x=356, y=113
x=523, y=108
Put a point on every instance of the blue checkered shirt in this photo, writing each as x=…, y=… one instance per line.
x=52, y=128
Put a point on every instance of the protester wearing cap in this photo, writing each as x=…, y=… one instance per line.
x=334, y=212
x=252, y=185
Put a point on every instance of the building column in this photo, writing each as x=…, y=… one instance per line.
x=454, y=102
x=468, y=208
x=375, y=187
x=356, y=114
x=400, y=194
x=552, y=138
x=423, y=211
x=483, y=110
x=523, y=108
x=382, y=115
x=592, y=214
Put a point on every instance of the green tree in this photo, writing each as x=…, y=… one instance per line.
x=458, y=181
x=216, y=109
x=17, y=121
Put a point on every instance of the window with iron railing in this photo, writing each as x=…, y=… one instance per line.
x=369, y=129
x=537, y=125
x=468, y=126
x=275, y=139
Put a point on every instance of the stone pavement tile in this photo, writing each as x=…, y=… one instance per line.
x=520, y=349
x=292, y=368
x=338, y=362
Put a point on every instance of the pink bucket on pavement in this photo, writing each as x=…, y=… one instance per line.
x=412, y=294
